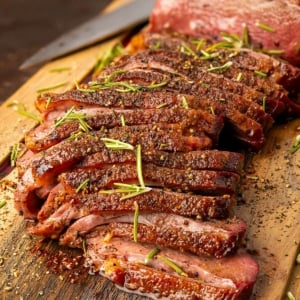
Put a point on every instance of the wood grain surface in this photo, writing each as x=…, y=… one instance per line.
x=270, y=204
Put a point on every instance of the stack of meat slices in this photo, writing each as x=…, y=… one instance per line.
x=151, y=123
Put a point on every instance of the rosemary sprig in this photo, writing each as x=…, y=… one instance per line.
x=260, y=73
x=116, y=144
x=82, y=89
x=51, y=87
x=173, y=265
x=14, y=154
x=135, y=221
x=184, y=102
x=58, y=70
x=21, y=109
x=130, y=190
x=83, y=185
x=220, y=68
x=108, y=57
x=187, y=50
x=208, y=56
x=265, y=27
x=70, y=116
x=198, y=43
x=151, y=255
x=139, y=165
x=296, y=145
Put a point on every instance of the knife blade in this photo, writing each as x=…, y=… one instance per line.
x=94, y=30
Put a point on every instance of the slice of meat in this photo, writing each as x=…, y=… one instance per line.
x=217, y=238
x=204, y=181
x=196, y=121
x=123, y=263
x=213, y=238
x=196, y=160
x=198, y=21
x=156, y=200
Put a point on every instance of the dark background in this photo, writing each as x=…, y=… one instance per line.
x=27, y=25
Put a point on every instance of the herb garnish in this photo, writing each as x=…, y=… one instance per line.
x=116, y=144
x=58, y=70
x=14, y=154
x=187, y=50
x=83, y=185
x=260, y=73
x=123, y=120
x=151, y=254
x=290, y=296
x=173, y=265
x=265, y=27
x=296, y=145
x=184, y=102
x=21, y=109
x=239, y=76
x=70, y=116
x=51, y=87
x=264, y=101
x=2, y=203
x=108, y=57
x=220, y=68
x=135, y=221
x=131, y=190
x=139, y=165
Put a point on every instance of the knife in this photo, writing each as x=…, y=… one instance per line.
x=94, y=30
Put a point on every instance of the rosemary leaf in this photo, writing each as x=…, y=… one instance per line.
x=51, y=87
x=161, y=105
x=290, y=296
x=264, y=100
x=58, y=70
x=82, y=89
x=2, y=203
x=116, y=144
x=184, y=102
x=139, y=165
x=135, y=221
x=172, y=265
x=82, y=185
x=187, y=50
x=260, y=73
x=48, y=101
x=198, y=43
x=239, y=76
x=296, y=145
x=265, y=27
x=245, y=37
x=220, y=68
x=21, y=109
x=123, y=120
x=14, y=154
x=108, y=57
x=151, y=254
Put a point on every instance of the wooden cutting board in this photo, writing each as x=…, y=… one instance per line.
x=270, y=204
